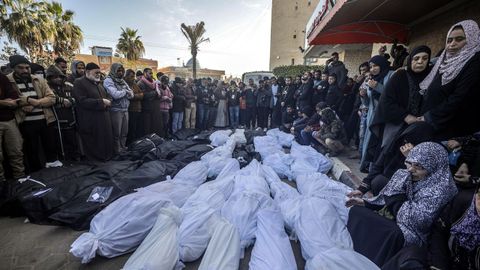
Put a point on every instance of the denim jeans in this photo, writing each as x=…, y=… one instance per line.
x=234, y=112
x=307, y=138
x=203, y=111
x=177, y=121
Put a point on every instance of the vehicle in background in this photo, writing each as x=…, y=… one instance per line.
x=256, y=76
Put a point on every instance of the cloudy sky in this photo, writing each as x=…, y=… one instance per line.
x=239, y=30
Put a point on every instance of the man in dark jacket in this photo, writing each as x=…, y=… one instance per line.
x=94, y=124
x=179, y=104
x=304, y=94
x=334, y=95
x=288, y=116
x=10, y=137
x=250, y=96
x=263, y=105
x=288, y=92
x=334, y=66
x=313, y=124
x=64, y=110
x=320, y=90
x=203, y=103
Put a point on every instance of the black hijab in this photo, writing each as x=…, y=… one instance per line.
x=382, y=62
x=414, y=80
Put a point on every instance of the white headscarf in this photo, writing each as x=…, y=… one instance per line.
x=450, y=65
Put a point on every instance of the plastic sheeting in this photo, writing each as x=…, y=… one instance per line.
x=216, y=159
x=307, y=160
x=321, y=186
x=319, y=228
x=283, y=138
x=340, y=259
x=251, y=194
x=159, y=250
x=123, y=225
x=220, y=137
x=223, y=251
x=266, y=145
x=280, y=163
x=272, y=248
x=239, y=136
x=119, y=228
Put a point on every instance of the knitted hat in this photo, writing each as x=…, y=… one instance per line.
x=17, y=59
x=91, y=66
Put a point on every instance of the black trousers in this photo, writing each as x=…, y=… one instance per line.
x=262, y=117
x=38, y=144
x=276, y=117
x=70, y=142
x=135, y=126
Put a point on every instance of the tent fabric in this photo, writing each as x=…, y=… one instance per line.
x=272, y=248
x=223, y=251
x=159, y=250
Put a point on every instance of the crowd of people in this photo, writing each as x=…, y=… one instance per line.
x=411, y=120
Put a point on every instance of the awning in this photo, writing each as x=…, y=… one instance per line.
x=369, y=21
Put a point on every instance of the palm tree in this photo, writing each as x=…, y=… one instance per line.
x=130, y=45
x=67, y=36
x=28, y=24
x=194, y=35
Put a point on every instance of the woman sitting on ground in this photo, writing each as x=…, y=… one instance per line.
x=407, y=206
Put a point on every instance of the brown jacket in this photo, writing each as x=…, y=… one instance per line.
x=44, y=93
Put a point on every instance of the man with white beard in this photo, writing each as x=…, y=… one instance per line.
x=93, y=116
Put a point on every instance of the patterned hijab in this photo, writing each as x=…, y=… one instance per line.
x=449, y=65
x=426, y=197
x=467, y=229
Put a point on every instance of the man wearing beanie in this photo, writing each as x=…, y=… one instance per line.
x=93, y=115
x=34, y=115
x=67, y=145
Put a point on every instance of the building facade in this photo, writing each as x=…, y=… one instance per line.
x=288, y=31
x=357, y=29
x=186, y=71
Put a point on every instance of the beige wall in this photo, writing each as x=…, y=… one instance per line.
x=185, y=73
x=433, y=32
x=140, y=64
x=288, y=21
x=353, y=59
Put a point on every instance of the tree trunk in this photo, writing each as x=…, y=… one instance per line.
x=194, y=65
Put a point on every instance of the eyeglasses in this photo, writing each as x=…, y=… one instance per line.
x=457, y=39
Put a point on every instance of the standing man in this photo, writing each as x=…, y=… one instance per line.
x=10, y=137
x=151, y=114
x=78, y=70
x=121, y=94
x=334, y=66
x=250, y=95
x=275, y=103
x=61, y=64
x=288, y=92
x=67, y=144
x=135, y=121
x=263, y=103
x=94, y=123
x=34, y=115
x=191, y=106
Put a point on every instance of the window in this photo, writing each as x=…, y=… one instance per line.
x=296, y=5
x=293, y=61
x=309, y=3
x=294, y=36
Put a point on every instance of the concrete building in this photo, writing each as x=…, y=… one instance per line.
x=186, y=71
x=288, y=31
x=103, y=56
x=357, y=29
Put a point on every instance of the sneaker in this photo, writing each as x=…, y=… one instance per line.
x=258, y=129
x=56, y=163
x=265, y=130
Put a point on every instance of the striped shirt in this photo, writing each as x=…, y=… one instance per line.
x=36, y=113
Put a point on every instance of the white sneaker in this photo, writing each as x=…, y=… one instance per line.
x=265, y=130
x=258, y=129
x=56, y=163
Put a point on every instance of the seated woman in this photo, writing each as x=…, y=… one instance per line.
x=407, y=206
x=392, y=158
x=450, y=91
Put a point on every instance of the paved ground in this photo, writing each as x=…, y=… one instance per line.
x=30, y=246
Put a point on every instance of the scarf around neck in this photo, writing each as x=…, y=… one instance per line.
x=113, y=74
x=450, y=65
x=152, y=84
